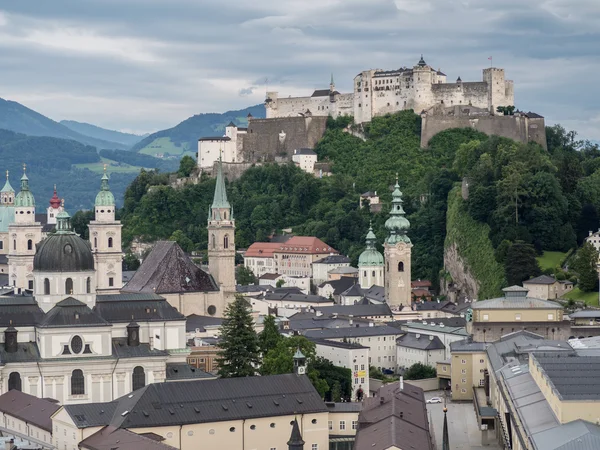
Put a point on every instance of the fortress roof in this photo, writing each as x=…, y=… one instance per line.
x=323, y=93
x=215, y=138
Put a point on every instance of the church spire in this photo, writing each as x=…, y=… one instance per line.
x=7, y=187
x=296, y=442
x=371, y=238
x=220, y=198
x=397, y=224
x=55, y=201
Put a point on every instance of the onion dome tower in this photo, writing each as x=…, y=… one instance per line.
x=370, y=263
x=397, y=252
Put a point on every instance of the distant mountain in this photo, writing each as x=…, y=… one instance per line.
x=19, y=118
x=96, y=132
x=183, y=138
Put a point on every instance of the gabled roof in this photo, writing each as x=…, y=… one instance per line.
x=262, y=250
x=359, y=310
x=138, y=310
x=575, y=435
x=70, y=312
x=542, y=279
x=195, y=322
x=420, y=342
x=353, y=291
x=305, y=245
x=113, y=438
x=31, y=409
x=304, y=151
x=333, y=259
x=341, y=285
x=183, y=371
x=167, y=269
x=21, y=311
x=339, y=333
x=323, y=93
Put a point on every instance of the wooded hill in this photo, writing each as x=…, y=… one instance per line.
x=517, y=192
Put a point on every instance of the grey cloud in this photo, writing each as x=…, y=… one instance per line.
x=191, y=56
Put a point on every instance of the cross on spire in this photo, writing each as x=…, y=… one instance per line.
x=24, y=167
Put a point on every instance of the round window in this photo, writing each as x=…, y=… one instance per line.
x=190, y=433
x=232, y=429
x=212, y=310
x=211, y=431
x=169, y=435
x=68, y=249
x=76, y=345
x=253, y=427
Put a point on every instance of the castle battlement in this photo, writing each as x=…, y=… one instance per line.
x=378, y=92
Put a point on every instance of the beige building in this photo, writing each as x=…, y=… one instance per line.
x=547, y=287
x=413, y=348
x=467, y=368
x=231, y=413
x=517, y=311
x=321, y=267
x=296, y=256
x=305, y=159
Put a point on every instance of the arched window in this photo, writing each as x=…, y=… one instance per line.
x=110, y=242
x=29, y=244
x=14, y=244
x=400, y=266
x=88, y=285
x=46, y=286
x=213, y=241
x=69, y=286
x=226, y=241
x=138, y=378
x=14, y=381
x=373, y=274
x=95, y=242
x=225, y=215
x=77, y=382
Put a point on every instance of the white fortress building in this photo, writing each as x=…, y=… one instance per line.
x=378, y=92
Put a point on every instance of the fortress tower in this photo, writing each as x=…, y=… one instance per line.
x=221, y=240
x=23, y=235
x=105, y=239
x=397, y=252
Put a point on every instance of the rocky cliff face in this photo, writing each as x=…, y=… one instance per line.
x=464, y=281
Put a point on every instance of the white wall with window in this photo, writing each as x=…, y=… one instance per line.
x=351, y=356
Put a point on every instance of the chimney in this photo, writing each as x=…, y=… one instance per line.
x=9, y=444
x=401, y=382
x=371, y=324
x=418, y=336
x=431, y=338
x=375, y=193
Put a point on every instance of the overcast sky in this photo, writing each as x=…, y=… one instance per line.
x=146, y=65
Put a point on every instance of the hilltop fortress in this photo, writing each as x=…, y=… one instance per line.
x=378, y=92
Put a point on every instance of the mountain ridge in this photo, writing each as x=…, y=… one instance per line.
x=105, y=134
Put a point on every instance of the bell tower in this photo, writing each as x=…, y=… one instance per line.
x=397, y=253
x=221, y=239
x=23, y=235
x=105, y=239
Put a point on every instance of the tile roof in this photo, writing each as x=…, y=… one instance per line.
x=195, y=322
x=422, y=342
x=189, y=402
x=270, y=276
x=420, y=283
x=167, y=269
x=333, y=259
x=29, y=408
x=573, y=376
x=359, y=310
x=140, y=311
x=293, y=297
x=542, y=279
x=341, y=285
x=113, y=438
x=375, y=293
x=183, y=371
x=70, y=312
x=305, y=245
x=262, y=250
x=334, y=333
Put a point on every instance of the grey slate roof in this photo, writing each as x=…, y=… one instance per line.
x=138, y=310
x=252, y=288
x=167, y=269
x=28, y=408
x=353, y=332
x=573, y=376
x=188, y=402
x=183, y=371
x=542, y=279
x=26, y=352
x=70, y=312
x=353, y=291
x=576, y=435
x=63, y=252
x=304, y=151
x=22, y=311
x=339, y=286
x=346, y=345
x=194, y=322
x=585, y=314
x=122, y=350
x=112, y=438
x=375, y=292
x=467, y=345
x=291, y=297
x=87, y=415
x=515, y=303
x=333, y=259
x=128, y=297
x=344, y=406
x=423, y=342
x=358, y=310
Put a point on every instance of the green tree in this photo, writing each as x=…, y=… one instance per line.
x=186, y=166
x=245, y=276
x=269, y=337
x=585, y=265
x=419, y=371
x=130, y=262
x=280, y=283
x=238, y=349
x=332, y=375
x=186, y=244
x=520, y=263
x=80, y=222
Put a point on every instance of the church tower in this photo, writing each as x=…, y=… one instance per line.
x=105, y=239
x=397, y=252
x=370, y=264
x=7, y=195
x=23, y=235
x=221, y=238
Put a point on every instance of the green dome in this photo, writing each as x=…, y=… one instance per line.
x=105, y=197
x=397, y=224
x=370, y=257
x=24, y=198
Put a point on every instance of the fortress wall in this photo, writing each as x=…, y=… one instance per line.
x=263, y=140
x=291, y=107
x=518, y=128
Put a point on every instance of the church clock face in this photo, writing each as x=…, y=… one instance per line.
x=301, y=370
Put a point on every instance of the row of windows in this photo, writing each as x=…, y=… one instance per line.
x=342, y=425
x=225, y=241
x=110, y=242
x=68, y=286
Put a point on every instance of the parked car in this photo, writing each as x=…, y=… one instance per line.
x=434, y=400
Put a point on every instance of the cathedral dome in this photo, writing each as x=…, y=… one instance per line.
x=370, y=257
x=63, y=251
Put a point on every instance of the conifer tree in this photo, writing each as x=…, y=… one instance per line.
x=586, y=266
x=520, y=263
x=238, y=355
x=269, y=337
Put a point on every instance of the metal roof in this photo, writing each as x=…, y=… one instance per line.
x=467, y=345
x=195, y=322
x=420, y=342
x=183, y=371
x=585, y=314
x=384, y=330
x=359, y=310
x=515, y=303
x=573, y=376
x=33, y=410
x=70, y=312
x=140, y=311
x=576, y=435
x=112, y=438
